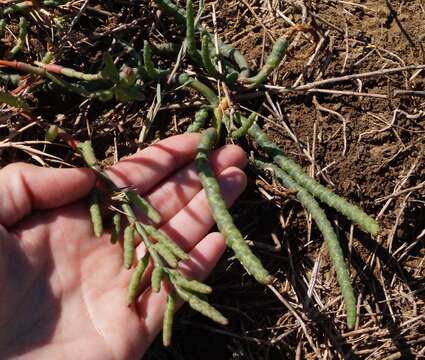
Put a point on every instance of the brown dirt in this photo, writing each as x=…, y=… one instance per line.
x=388, y=272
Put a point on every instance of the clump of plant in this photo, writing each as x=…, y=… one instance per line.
x=286, y=170
x=161, y=251
x=222, y=62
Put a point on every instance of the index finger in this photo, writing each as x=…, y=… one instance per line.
x=150, y=166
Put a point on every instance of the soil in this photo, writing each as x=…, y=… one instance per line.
x=370, y=150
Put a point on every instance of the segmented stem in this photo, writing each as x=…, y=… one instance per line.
x=48, y=57
x=166, y=48
x=20, y=42
x=95, y=213
x=201, y=117
x=156, y=278
x=209, y=94
x=166, y=254
x=68, y=72
x=273, y=60
x=201, y=306
x=226, y=50
x=136, y=277
x=193, y=285
x=190, y=33
x=116, y=228
x=352, y=212
x=220, y=214
x=232, y=53
x=167, y=327
x=205, y=90
x=166, y=241
x=171, y=9
x=150, y=68
x=87, y=153
x=14, y=8
x=129, y=247
x=206, y=57
x=144, y=206
x=325, y=227
x=246, y=124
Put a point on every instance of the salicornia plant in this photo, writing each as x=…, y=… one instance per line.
x=289, y=172
x=161, y=250
x=213, y=58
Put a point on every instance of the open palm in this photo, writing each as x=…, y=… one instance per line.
x=63, y=291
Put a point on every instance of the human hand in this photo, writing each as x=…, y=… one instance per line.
x=63, y=291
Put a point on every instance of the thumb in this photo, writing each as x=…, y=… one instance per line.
x=25, y=187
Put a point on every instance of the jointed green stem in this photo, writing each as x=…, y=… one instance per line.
x=166, y=254
x=201, y=117
x=206, y=57
x=144, y=206
x=232, y=53
x=201, y=306
x=220, y=214
x=246, y=124
x=166, y=241
x=228, y=51
x=206, y=91
x=191, y=285
x=71, y=73
x=334, y=247
x=116, y=228
x=136, y=277
x=48, y=57
x=150, y=68
x=20, y=42
x=190, y=33
x=20, y=7
x=95, y=214
x=166, y=48
x=171, y=9
x=87, y=153
x=157, y=274
x=129, y=248
x=273, y=60
x=167, y=327
x=352, y=212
